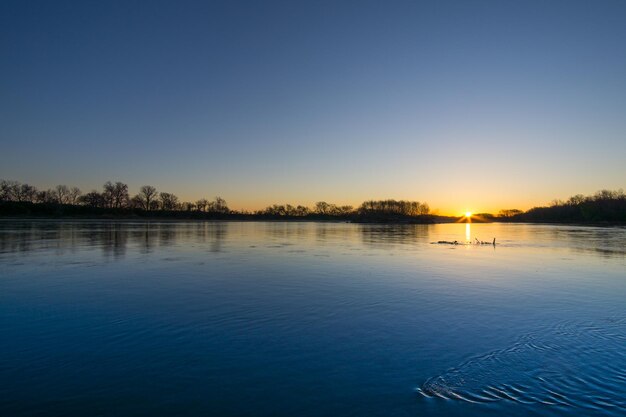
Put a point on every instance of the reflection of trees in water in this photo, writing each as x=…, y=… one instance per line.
x=385, y=235
x=113, y=239
x=24, y=237
x=215, y=233
x=212, y=234
x=19, y=239
x=334, y=231
x=149, y=236
x=286, y=230
x=152, y=235
x=298, y=232
x=145, y=236
x=167, y=234
x=67, y=239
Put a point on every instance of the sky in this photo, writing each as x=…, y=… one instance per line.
x=468, y=106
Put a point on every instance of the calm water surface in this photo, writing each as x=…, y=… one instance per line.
x=310, y=319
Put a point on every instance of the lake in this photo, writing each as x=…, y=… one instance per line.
x=310, y=319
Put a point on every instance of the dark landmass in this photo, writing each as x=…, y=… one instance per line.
x=19, y=200
x=27, y=210
x=604, y=207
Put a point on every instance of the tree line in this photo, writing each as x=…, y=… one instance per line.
x=383, y=208
x=603, y=206
x=115, y=198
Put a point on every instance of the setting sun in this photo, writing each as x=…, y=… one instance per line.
x=468, y=214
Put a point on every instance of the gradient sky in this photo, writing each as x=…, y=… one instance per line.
x=465, y=105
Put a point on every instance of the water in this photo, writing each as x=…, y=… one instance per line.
x=311, y=319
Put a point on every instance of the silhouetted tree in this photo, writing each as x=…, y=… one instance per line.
x=393, y=208
x=169, y=201
x=16, y=191
x=345, y=210
x=322, y=207
x=115, y=195
x=188, y=206
x=46, y=197
x=576, y=200
x=5, y=190
x=21, y=192
x=556, y=202
x=603, y=206
x=302, y=211
x=120, y=195
x=93, y=199
x=29, y=192
x=108, y=189
x=147, y=194
x=62, y=194
x=73, y=195
x=508, y=213
x=136, y=202
x=274, y=210
x=202, y=204
x=218, y=205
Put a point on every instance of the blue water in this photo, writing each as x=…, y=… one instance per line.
x=311, y=319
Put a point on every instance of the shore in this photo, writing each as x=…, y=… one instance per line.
x=254, y=218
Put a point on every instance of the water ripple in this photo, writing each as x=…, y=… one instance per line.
x=569, y=365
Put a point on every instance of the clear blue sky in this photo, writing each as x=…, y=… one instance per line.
x=466, y=105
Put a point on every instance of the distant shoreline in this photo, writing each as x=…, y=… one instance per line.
x=253, y=218
x=17, y=200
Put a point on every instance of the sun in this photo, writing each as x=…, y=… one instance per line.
x=468, y=214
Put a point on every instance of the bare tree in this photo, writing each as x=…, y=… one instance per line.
x=93, y=199
x=115, y=195
x=46, y=197
x=188, y=206
x=4, y=190
x=508, y=213
x=62, y=193
x=29, y=192
x=120, y=195
x=168, y=201
x=148, y=194
x=108, y=192
x=302, y=211
x=393, y=207
x=218, y=205
x=321, y=207
x=73, y=195
x=556, y=202
x=14, y=191
x=137, y=202
x=8, y=190
x=344, y=210
x=202, y=204
x=576, y=200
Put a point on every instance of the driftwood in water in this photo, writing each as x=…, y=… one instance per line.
x=478, y=242
x=456, y=242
